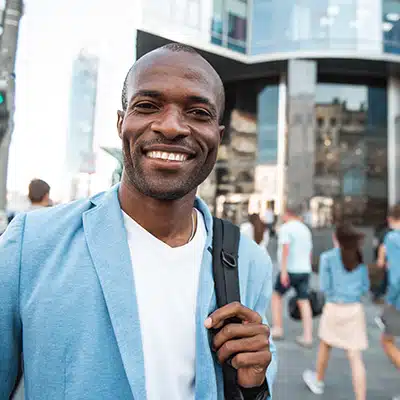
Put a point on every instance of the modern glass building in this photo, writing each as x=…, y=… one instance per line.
x=79, y=149
x=313, y=100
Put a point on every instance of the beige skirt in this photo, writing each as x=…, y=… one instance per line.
x=343, y=326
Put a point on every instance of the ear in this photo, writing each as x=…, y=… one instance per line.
x=120, y=120
x=221, y=132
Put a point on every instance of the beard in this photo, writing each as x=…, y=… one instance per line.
x=165, y=185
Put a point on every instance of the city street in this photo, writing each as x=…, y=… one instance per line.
x=382, y=378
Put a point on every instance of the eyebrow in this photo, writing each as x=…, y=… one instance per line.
x=192, y=98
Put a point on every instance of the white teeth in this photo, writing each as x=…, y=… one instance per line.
x=167, y=156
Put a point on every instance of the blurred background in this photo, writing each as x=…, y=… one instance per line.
x=312, y=107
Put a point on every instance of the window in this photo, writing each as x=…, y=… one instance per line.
x=268, y=102
x=359, y=141
x=229, y=24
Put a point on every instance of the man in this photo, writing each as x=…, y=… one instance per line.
x=39, y=194
x=294, y=255
x=116, y=296
x=389, y=252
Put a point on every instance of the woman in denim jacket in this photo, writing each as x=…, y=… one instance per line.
x=344, y=280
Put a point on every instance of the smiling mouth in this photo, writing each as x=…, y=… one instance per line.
x=168, y=156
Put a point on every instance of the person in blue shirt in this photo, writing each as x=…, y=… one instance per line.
x=344, y=280
x=389, y=255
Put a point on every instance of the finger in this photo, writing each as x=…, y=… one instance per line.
x=251, y=344
x=235, y=309
x=234, y=331
x=260, y=360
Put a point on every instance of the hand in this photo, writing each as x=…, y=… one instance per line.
x=285, y=280
x=248, y=342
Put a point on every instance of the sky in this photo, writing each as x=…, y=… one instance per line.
x=51, y=35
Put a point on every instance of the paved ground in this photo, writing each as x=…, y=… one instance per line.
x=383, y=379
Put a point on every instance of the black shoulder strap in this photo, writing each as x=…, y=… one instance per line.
x=226, y=238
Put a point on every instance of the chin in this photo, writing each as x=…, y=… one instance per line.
x=166, y=195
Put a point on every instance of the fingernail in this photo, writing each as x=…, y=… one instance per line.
x=208, y=322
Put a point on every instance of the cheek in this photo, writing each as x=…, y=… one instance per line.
x=211, y=140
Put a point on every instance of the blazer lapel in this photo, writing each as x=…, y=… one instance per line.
x=208, y=376
x=108, y=246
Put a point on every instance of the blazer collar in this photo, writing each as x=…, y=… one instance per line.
x=108, y=246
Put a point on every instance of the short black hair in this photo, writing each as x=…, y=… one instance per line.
x=38, y=189
x=175, y=47
x=394, y=212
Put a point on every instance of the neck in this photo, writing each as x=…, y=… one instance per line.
x=395, y=226
x=168, y=220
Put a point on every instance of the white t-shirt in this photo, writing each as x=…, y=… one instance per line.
x=166, y=282
x=299, y=238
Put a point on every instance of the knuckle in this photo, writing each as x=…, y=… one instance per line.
x=264, y=342
x=237, y=305
x=228, y=347
x=227, y=331
x=266, y=330
x=268, y=357
x=220, y=356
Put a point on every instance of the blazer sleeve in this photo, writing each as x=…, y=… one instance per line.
x=10, y=322
x=262, y=306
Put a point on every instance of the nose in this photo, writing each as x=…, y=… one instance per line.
x=171, y=124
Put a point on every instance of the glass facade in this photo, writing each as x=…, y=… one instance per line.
x=276, y=26
x=229, y=24
x=351, y=150
x=267, y=125
x=391, y=26
x=309, y=25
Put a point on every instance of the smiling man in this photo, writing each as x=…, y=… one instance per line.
x=115, y=298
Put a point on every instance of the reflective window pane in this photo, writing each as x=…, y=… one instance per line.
x=267, y=124
x=229, y=24
x=312, y=25
x=351, y=150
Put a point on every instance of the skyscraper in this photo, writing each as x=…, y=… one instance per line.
x=80, y=156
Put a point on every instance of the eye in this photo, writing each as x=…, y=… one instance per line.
x=144, y=106
x=200, y=113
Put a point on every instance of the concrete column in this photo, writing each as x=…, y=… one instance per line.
x=302, y=82
x=8, y=50
x=393, y=92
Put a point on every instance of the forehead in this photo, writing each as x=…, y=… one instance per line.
x=167, y=71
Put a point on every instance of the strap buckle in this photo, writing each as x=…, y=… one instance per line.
x=228, y=259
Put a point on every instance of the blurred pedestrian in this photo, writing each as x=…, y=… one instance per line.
x=344, y=280
x=389, y=252
x=39, y=194
x=269, y=219
x=294, y=257
x=256, y=230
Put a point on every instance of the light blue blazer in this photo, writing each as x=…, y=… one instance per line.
x=67, y=300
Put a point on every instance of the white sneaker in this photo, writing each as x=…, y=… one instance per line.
x=396, y=398
x=310, y=379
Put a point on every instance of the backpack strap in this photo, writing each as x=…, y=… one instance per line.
x=225, y=256
x=226, y=238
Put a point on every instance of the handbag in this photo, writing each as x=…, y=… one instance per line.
x=317, y=302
